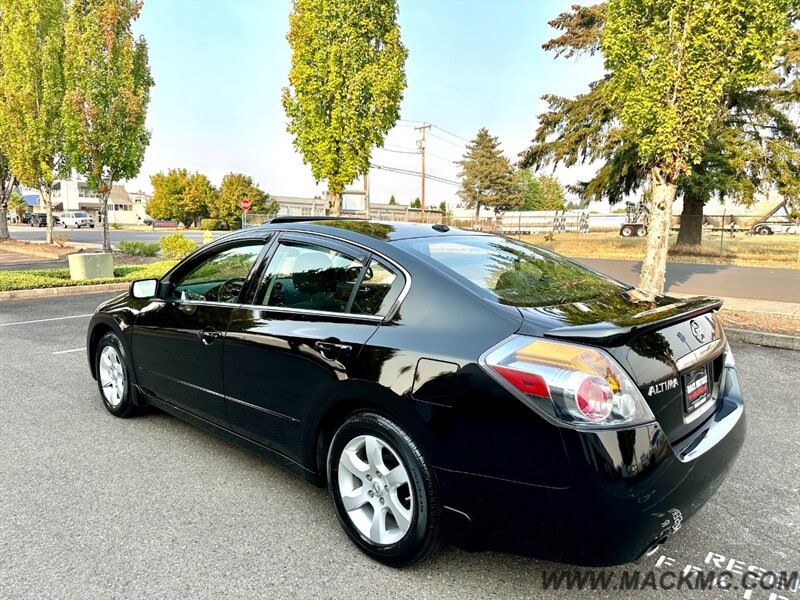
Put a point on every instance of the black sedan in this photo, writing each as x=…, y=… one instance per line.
x=443, y=384
x=40, y=220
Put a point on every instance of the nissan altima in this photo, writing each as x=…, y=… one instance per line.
x=444, y=385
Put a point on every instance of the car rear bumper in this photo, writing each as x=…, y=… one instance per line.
x=630, y=490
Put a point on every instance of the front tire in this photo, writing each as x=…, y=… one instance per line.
x=383, y=491
x=113, y=377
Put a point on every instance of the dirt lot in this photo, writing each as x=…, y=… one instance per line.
x=782, y=251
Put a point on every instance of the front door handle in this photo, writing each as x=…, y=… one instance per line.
x=330, y=349
x=208, y=335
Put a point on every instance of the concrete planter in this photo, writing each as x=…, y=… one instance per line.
x=91, y=265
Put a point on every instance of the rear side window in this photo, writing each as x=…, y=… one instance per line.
x=378, y=290
x=514, y=272
x=310, y=277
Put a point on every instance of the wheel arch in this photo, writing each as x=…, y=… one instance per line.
x=355, y=397
x=101, y=325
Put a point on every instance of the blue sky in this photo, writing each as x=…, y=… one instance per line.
x=219, y=66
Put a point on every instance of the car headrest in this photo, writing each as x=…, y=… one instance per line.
x=308, y=267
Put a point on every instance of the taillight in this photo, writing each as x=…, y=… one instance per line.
x=573, y=384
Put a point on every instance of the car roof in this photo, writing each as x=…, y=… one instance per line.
x=361, y=230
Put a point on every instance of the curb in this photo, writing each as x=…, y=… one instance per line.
x=761, y=338
x=73, y=290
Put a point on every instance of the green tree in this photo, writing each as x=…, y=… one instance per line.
x=235, y=188
x=345, y=85
x=17, y=205
x=32, y=92
x=392, y=201
x=416, y=203
x=107, y=93
x=540, y=192
x=180, y=196
x=7, y=183
x=754, y=142
x=487, y=178
x=443, y=208
x=671, y=64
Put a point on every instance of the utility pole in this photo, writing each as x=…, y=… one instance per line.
x=421, y=145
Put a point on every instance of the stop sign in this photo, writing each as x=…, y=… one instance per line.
x=245, y=204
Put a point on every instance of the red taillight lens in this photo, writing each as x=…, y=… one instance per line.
x=527, y=383
x=594, y=397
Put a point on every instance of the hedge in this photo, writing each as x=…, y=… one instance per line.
x=28, y=280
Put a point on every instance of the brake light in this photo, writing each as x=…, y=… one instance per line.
x=572, y=384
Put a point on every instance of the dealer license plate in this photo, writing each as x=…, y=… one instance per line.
x=698, y=387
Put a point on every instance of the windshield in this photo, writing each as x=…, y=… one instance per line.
x=514, y=272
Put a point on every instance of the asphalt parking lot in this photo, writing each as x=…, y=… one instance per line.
x=97, y=507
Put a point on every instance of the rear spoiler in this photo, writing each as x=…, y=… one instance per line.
x=618, y=332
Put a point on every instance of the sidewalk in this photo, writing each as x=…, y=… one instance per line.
x=786, y=309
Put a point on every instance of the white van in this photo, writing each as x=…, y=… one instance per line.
x=76, y=219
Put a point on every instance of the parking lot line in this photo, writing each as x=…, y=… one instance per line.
x=44, y=320
x=67, y=351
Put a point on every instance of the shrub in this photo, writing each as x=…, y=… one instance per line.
x=60, y=240
x=210, y=224
x=26, y=280
x=115, y=226
x=176, y=246
x=138, y=248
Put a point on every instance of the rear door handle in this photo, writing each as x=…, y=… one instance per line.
x=208, y=335
x=330, y=349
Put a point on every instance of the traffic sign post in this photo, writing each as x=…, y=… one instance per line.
x=245, y=206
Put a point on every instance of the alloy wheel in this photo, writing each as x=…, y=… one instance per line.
x=112, y=376
x=375, y=489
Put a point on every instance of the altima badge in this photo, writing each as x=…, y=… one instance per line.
x=663, y=386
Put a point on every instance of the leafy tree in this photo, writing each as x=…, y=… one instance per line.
x=271, y=207
x=487, y=178
x=17, y=205
x=540, y=192
x=345, y=85
x=235, y=188
x=107, y=93
x=443, y=208
x=32, y=92
x=392, y=201
x=180, y=196
x=7, y=183
x=752, y=142
x=671, y=64
x=416, y=203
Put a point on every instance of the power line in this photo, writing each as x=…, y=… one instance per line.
x=414, y=174
x=399, y=151
x=451, y=133
x=445, y=140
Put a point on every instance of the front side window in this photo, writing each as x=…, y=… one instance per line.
x=219, y=278
x=514, y=272
x=310, y=277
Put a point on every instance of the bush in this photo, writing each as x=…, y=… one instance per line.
x=210, y=224
x=176, y=246
x=60, y=240
x=115, y=226
x=138, y=248
x=26, y=280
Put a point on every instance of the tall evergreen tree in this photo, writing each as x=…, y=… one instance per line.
x=487, y=178
x=345, y=85
x=108, y=90
x=32, y=92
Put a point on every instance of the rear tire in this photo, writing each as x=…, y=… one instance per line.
x=393, y=511
x=113, y=377
x=626, y=231
x=642, y=231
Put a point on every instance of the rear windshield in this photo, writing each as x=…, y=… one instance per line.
x=514, y=272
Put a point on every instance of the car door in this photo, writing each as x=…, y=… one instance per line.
x=300, y=338
x=178, y=338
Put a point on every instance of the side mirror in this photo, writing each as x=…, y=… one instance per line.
x=144, y=288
